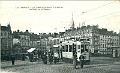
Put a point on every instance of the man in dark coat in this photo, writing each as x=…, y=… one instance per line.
x=50, y=57
x=45, y=58
x=75, y=60
x=13, y=59
x=31, y=57
x=39, y=53
x=81, y=60
x=23, y=57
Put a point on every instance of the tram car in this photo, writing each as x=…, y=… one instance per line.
x=56, y=50
x=80, y=47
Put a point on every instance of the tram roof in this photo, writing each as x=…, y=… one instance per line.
x=71, y=42
x=67, y=43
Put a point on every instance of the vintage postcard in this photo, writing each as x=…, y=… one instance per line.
x=60, y=36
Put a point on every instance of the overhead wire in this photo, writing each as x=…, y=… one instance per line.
x=104, y=15
x=94, y=9
x=98, y=7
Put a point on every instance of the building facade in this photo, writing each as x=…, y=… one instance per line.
x=34, y=41
x=108, y=39
x=24, y=38
x=27, y=40
x=101, y=40
x=6, y=40
x=90, y=32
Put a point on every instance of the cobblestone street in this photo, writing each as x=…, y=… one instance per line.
x=39, y=67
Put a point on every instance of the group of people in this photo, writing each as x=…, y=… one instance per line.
x=81, y=58
x=49, y=57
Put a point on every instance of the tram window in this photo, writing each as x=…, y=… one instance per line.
x=86, y=50
x=70, y=48
x=57, y=50
x=82, y=50
x=86, y=47
x=74, y=46
x=63, y=48
x=78, y=46
x=66, y=48
x=82, y=46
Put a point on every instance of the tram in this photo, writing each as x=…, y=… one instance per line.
x=80, y=47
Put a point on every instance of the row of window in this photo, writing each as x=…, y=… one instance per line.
x=110, y=43
x=104, y=45
x=25, y=44
x=105, y=36
x=83, y=34
x=105, y=49
x=68, y=48
x=109, y=39
x=106, y=52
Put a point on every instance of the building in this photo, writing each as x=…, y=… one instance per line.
x=6, y=40
x=89, y=32
x=34, y=41
x=24, y=38
x=27, y=40
x=108, y=39
x=119, y=37
x=43, y=44
x=101, y=40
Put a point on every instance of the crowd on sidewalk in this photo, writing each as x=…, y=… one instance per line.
x=46, y=57
x=43, y=56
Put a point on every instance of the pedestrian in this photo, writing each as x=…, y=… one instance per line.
x=31, y=57
x=45, y=58
x=13, y=59
x=50, y=57
x=75, y=60
x=42, y=55
x=39, y=53
x=81, y=60
x=23, y=57
x=55, y=58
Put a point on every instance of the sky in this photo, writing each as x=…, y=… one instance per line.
x=58, y=15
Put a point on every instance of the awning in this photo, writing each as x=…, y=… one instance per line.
x=55, y=45
x=31, y=49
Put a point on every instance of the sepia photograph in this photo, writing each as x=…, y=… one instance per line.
x=60, y=36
